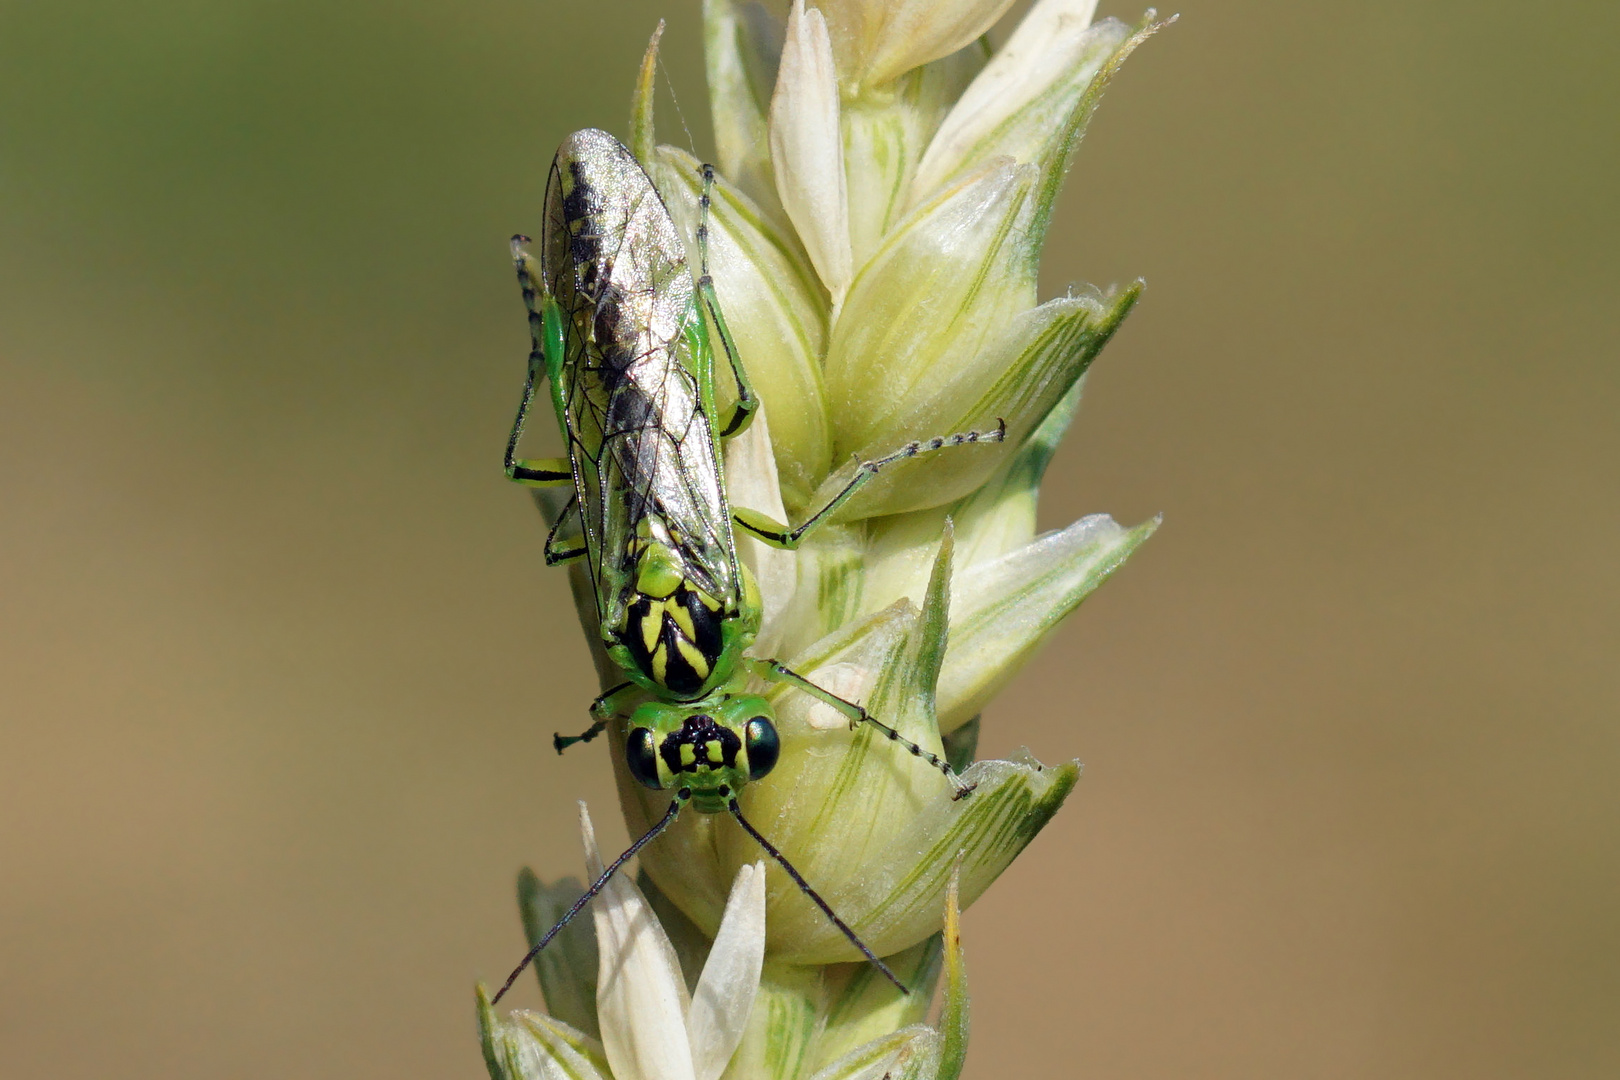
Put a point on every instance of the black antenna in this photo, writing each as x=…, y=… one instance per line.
x=804, y=887
x=596, y=887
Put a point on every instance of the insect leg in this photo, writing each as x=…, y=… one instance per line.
x=558, y=549
x=776, y=671
x=590, y=893
x=742, y=414
x=535, y=472
x=804, y=887
x=603, y=709
x=563, y=742
x=778, y=535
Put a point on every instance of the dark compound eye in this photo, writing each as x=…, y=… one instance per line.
x=763, y=745
x=642, y=757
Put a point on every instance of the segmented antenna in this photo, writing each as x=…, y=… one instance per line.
x=805, y=888
x=596, y=887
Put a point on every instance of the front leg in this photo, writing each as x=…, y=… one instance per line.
x=603, y=709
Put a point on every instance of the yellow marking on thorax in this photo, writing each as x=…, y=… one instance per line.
x=690, y=654
x=660, y=664
x=688, y=754
x=651, y=624
x=682, y=617
x=713, y=747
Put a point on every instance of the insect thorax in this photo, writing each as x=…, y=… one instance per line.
x=676, y=638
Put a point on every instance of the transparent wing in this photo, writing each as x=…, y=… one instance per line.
x=642, y=445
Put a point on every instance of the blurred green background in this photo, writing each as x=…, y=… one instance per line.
x=279, y=660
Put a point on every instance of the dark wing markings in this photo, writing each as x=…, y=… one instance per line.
x=686, y=508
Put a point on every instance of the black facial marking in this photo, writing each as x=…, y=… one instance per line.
x=698, y=732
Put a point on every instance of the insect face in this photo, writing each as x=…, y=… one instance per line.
x=712, y=748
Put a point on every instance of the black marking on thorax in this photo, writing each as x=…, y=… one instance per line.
x=675, y=640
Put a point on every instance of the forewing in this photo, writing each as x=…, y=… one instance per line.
x=641, y=443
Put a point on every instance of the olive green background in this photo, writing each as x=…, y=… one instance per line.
x=279, y=660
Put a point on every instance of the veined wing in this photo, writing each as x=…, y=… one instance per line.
x=640, y=441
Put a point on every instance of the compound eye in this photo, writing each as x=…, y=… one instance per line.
x=763, y=746
x=642, y=757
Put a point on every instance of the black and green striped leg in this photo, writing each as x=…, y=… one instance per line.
x=742, y=414
x=560, y=548
x=532, y=472
x=776, y=671
x=779, y=535
x=603, y=709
